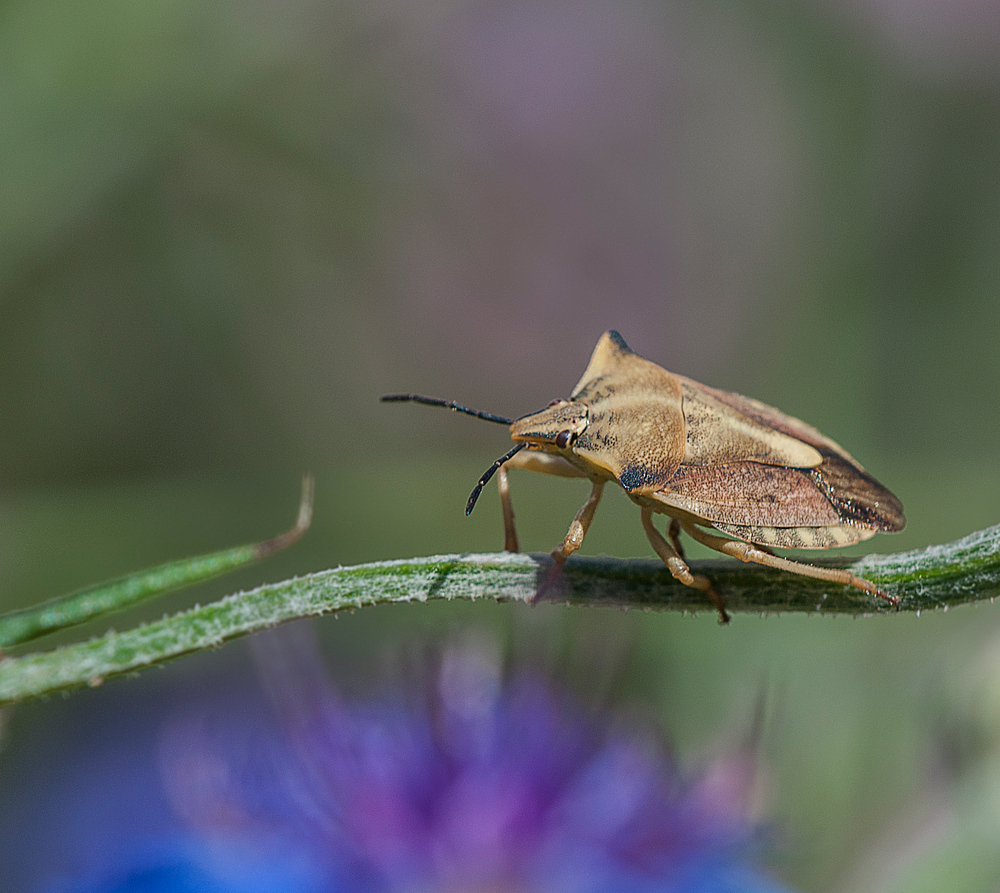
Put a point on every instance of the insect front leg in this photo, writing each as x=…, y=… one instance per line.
x=511, y=543
x=749, y=553
x=573, y=539
x=677, y=566
x=529, y=460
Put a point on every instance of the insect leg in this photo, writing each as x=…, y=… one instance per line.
x=510, y=541
x=677, y=566
x=674, y=532
x=746, y=552
x=573, y=539
x=581, y=523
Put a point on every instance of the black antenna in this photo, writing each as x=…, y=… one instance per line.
x=484, y=480
x=447, y=404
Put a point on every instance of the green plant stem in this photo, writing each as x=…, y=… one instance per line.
x=967, y=570
x=116, y=595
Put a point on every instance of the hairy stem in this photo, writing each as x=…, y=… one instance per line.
x=967, y=570
x=116, y=595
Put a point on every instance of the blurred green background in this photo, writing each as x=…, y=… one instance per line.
x=227, y=227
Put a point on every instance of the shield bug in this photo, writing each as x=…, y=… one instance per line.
x=711, y=460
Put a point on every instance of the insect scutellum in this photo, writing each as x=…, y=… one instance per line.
x=706, y=458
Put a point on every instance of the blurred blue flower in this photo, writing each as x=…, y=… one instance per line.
x=471, y=784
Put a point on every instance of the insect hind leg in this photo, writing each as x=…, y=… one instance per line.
x=755, y=555
x=674, y=532
x=676, y=564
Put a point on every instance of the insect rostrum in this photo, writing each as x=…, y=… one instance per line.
x=710, y=459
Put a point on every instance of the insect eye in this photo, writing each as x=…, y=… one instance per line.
x=563, y=439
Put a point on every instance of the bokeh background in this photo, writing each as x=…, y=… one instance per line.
x=227, y=227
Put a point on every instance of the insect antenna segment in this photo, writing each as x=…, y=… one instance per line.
x=447, y=404
x=479, y=414
x=485, y=479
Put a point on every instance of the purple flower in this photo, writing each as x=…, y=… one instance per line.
x=469, y=785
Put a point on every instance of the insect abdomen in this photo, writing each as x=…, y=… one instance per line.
x=798, y=537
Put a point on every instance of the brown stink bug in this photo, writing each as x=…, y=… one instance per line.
x=707, y=458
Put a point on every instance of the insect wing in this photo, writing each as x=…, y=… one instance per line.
x=749, y=493
x=748, y=465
